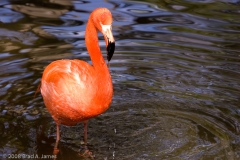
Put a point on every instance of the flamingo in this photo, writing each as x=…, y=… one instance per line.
x=75, y=91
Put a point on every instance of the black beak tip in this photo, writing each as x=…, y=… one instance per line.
x=110, y=50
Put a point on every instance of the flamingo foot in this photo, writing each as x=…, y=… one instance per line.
x=86, y=153
x=55, y=151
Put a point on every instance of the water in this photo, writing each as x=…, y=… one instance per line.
x=176, y=72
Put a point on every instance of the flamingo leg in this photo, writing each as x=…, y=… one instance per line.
x=56, y=150
x=85, y=132
x=86, y=153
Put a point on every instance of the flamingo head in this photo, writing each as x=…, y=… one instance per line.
x=104, y=24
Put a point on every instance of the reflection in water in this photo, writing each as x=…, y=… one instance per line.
x=8, y=16
x=176, y=78
x=38, y=12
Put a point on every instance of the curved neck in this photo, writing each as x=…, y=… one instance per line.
x=91, y=38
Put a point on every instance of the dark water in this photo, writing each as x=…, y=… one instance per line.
x=176, y=75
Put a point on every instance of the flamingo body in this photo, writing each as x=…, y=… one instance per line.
x=74, y=92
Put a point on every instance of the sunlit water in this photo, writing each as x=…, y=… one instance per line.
x=176, y=75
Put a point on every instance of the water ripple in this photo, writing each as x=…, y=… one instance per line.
x=175, y=72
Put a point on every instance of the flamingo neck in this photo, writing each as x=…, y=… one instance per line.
x=91, y=38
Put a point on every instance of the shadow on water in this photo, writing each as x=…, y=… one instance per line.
x=175, y=71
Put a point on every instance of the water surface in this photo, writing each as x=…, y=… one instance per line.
x=175, y=71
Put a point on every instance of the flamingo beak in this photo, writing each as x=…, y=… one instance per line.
x=110, y=49
x=110, y=42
